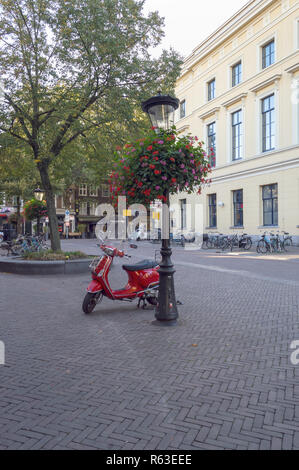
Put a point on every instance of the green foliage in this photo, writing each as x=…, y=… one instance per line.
x=50, y=255
x=157, y=165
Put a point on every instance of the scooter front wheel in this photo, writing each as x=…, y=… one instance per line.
x=91, y=300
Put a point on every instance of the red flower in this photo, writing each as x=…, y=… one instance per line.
x=173, y=180
x=172, y=159
x=156, y=158
x=140, y=184
x=152, y=166
x=157, y=172
x=156, y=152
x=150, y=147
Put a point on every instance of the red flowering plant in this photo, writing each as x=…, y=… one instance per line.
x=158, y=165
x=34, y=209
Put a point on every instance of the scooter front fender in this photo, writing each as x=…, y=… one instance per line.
x=95, y=286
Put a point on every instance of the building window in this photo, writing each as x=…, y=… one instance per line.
x=59, y=202
x=83, y=190
x=237, y=74
x=237, y=135
x=238, y=207
x=183, y=213
x=270, y=204
x=93, y=191
x=83, y=208
x=182, y=109
x=212, y=211
x=211, y=89
x=105, y=190
x=268, y=123
x=212, y=143
x=268, y=54
x=92, y=208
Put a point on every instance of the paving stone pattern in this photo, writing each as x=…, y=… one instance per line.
x=221, y=379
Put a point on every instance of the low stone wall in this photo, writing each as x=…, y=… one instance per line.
x=17, y=266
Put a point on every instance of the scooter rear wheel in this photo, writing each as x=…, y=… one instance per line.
x=90, y=301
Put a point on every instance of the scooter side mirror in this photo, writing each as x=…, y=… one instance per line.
x=133, y=246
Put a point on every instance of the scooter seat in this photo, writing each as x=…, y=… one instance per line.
x=144, y=264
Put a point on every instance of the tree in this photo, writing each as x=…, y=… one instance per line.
x=71, y=67
x=17, y=174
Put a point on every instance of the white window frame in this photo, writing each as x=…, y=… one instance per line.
x=105, y=190
x=207, y=123
x=230, y=72
x=207, y=90
x=83, y=190
x=260, y=46
x=185, y=112
x=81, y=210
x=259, y=134
x=93, y=191
x=231, y=112
x=92, y=208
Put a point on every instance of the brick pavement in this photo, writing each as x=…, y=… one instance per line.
x=221, y=379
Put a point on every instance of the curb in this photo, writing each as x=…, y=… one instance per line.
x=44, y=267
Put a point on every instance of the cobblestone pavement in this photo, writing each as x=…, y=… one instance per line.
x=221, y=379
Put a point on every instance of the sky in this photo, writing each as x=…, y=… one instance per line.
x=188, y=22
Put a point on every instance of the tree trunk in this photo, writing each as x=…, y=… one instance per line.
x=50, y=199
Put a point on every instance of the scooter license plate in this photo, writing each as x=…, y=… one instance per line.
x=95, y=262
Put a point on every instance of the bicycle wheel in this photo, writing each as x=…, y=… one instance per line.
x=210, y=244
x=248, y=244
x=261, y=247
x=224, y=244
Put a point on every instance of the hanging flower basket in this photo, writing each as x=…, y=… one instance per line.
x=34, y=209
x=158, y=165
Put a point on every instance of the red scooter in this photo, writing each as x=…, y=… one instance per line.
x=143, y=280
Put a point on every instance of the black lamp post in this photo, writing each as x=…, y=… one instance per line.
x=39, y=195
x=161, y=109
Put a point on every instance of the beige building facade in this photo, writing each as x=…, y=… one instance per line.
x=239, y=93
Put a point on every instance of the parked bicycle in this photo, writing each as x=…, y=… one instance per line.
x=271, y=243
x=23, y=244
x=243, y=242
x=214, y=240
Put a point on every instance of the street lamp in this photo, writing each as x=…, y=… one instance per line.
x=39, y=195
x=160, y=110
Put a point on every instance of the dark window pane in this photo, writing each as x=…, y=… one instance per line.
x=212, y=210
x=182, y=109
x=270, y=204
x=212, y=144
x=211, y=89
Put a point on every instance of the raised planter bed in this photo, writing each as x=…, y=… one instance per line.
x=18, y=266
